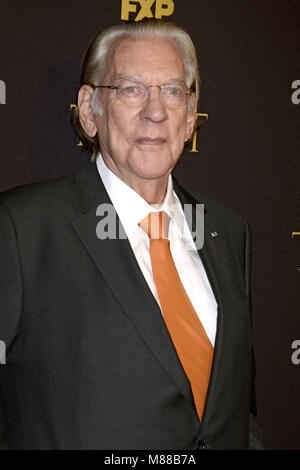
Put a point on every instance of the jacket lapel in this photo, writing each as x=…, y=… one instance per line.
x=210, y=251
x=118, y=266
x=214, y=256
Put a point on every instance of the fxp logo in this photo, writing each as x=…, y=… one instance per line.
x=162, y=8
x=2, y=92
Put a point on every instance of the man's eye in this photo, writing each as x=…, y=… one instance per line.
x=131, y=90
x=174, y=91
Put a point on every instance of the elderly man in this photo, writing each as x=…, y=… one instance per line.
x=139, y=339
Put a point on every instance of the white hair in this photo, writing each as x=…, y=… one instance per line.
x=104, y=43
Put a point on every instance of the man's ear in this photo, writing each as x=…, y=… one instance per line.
x=191, y=117
x=85, y=111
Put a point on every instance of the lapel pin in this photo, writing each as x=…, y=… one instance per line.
x=214, y=234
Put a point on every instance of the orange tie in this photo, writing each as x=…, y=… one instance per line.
x=190, y=340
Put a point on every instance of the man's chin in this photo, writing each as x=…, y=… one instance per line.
x=152, y=165
x=153, y=172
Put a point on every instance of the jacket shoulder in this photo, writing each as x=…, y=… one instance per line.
x=218, y=211
x=36, y=194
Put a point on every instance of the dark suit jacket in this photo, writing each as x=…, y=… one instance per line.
x=90, y=364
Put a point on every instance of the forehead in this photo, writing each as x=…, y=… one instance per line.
x=147, y=58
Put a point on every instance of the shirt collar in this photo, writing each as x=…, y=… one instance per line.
x=130, y=206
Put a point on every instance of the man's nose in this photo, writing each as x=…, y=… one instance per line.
x=154, y=108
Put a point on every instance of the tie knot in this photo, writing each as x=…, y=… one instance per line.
x=156, y=225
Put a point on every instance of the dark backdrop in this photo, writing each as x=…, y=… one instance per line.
x=247, y=150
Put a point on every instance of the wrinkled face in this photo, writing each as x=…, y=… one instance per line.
x=143, y=141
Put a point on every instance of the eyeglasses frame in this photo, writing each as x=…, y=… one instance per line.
x=115, y=87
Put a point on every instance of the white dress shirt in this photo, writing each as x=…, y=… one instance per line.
x=131, y=209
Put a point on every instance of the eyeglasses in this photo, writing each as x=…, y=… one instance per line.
x=174, y=93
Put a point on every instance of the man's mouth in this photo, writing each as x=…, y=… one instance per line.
x=150, y=141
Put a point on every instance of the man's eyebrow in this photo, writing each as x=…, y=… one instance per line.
x=127, y=77
x=136, y=78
